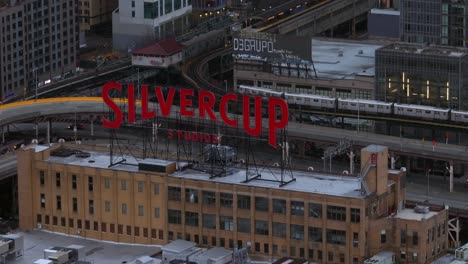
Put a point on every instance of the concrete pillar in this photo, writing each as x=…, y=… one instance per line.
x=92, y=126
x=351, y=156
x=49, y=127
x=451, y=176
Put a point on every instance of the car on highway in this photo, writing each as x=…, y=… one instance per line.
x=78, y=127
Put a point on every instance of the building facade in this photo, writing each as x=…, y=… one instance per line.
x=93, y=13
x=208, y=5
x=138, y=23
x=421, y=74
x=328, y=219
x=439, y=22
x=39, y=42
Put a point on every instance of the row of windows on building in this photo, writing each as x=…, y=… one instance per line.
x=90, y=182
x=279, y=206
x=105, y=227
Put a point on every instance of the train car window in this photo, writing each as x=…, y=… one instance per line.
x=307, y=100
x=437, y=113
x=428, y=112
x=316, y=100
x=298, y=99
x=409, y=110
x=371, y=106
x=353, y=104
x=379, y=106
x=466, y=116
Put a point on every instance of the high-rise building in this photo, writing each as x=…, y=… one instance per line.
x=329, y=219
x=38, y=42
x=440, y=22
x=412, y=73
x=93, y=13
x=138, y=23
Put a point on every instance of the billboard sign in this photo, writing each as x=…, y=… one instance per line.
x=271, y=47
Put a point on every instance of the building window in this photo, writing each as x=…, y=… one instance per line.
x=39, y=219
x=129, y=230
x=91, y=206
x=136, y=231
x=54, y=220
x=415, y=238
x=297, y=208
x=42, y=177
x=336, y=213
x=243, y=225
x=209, y=221
x=141, y=210
x=279, y=230
x=90, y=183
x=156, y=212
x=156, y=188
x=319, y=254
x=87, y=225
x=120, y=229
x=59, y=202
x=57, y=179
x=43, y=201
x=336, y=237
x=191, y=218
x=71, y=222
x=355, y=215
x=279, y=206
x=226, y=200
x=243, y=202
x=297, y=232
x=140, y=186
x=261, y=227
x=75, y=204
x=261, y=204
x=415, y=257
x=133, y=13
x=191, y=196
x=104, y=227
x=403, y=255
x=356, y=240
x=330, y=256
x=226, y=223
x=151, y=10
x=74, y=182
x=124, y=208
x=403, y=236
x=315, y=210
x=174, y=193
x=123, y=185
x=383, y=236
x=174, y=216
x=311, y=253
x=315, y=234
x=95, y=226
x=107, y=183
x=209, y=198
x=107, y=206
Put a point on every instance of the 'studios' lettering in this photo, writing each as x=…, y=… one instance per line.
x=206, y=106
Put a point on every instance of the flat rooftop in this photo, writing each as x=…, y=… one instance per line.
x=343, y=59
x=410, y=214
x=96, y=251
x=308, y=182
x=429, y=50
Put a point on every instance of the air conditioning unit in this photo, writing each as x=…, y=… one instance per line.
x=461, y=253
x=14, y=242
x=5, y=246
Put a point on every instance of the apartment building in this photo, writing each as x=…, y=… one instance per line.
x=39, y=42
x=329, y=219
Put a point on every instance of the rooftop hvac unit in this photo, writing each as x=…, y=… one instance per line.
x=145, y=260
x=5, y=246
x=16, y=243
x=461, y=253
x=421, y=209
x=60, y=257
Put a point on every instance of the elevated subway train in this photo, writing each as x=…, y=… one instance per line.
x=363, y=106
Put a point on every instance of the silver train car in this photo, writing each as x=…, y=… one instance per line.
x=364, y=106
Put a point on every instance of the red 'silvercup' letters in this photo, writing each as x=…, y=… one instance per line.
x=206, y=101
x=257, y=130
x=118, y=114
x=273, y=124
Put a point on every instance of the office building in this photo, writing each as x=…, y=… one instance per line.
x=139, y=23
x=439, y=22
x=330, y=219
x=39, y=42
x=420, y=74
x=93, y=13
